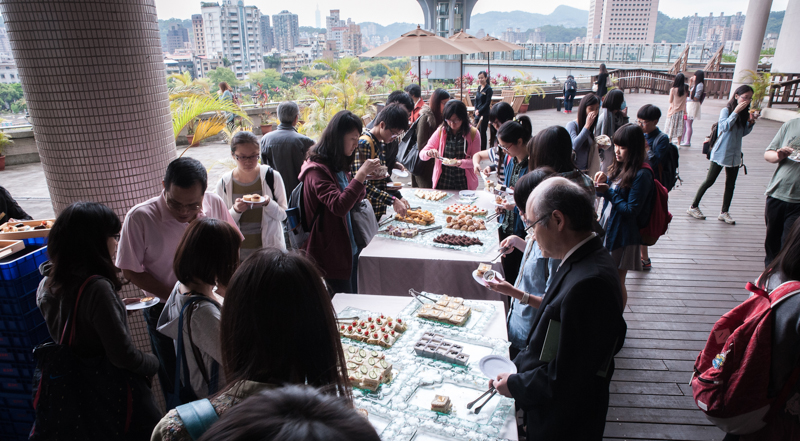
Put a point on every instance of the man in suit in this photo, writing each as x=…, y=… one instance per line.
x=563, y=378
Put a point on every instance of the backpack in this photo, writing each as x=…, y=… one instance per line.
x=710, y=141
x=296, y=220
x=270, y=178
x=660, y=217
x=668, y=174
x=572, y=85
x=731, y=375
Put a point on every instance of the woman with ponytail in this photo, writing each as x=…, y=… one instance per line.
x=735, y=122
x=513, y=138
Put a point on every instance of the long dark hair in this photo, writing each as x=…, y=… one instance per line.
x=459, y=110
x=435, y=103
x=603, y=69
x=680, y=83
x=502, y=112
x=787, y=262
x=512, y=131
x=262, y=333
x=329, y=150
x=613, y=100
x=527, y=183
x=78, y=248
x=631, y=137
x=744, y=115
x=699, y=78
x=589, y=99
x=207, y=253
x=552, y=147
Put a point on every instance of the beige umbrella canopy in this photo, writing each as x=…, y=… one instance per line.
x=470, y=45
x=416, y=43
x=491, y=44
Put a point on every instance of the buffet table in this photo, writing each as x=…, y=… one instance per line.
x=388, y=266
x=392, y=417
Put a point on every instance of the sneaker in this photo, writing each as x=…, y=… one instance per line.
x=685, y=145
x=647, y=265
x=725, y=217
x=696, y=213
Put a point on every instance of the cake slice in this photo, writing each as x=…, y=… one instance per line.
x=441, y=404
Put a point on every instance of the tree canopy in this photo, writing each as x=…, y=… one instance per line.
x=221, y=74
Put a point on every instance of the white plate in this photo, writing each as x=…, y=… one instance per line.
x=480, y=280
x=400, y=173
x=494, y=365
x=142, y=305
x=396, y=186
x=467, y=194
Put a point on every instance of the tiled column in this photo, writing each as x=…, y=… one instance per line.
x=94, y=80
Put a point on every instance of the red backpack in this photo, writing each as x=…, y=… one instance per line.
x=731, y=374
x=660, y=217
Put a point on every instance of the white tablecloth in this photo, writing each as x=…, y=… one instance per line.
x=392, y=305
x=391, y=267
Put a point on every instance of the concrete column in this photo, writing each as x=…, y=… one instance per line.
x=787, y=53
x=752, y=36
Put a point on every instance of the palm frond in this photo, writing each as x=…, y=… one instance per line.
x=192, y=107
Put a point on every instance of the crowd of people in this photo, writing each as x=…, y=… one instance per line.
x=230, y=295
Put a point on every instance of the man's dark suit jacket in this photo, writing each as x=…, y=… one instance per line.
x=566, y=399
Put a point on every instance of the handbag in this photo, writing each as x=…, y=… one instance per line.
x=365, y=226
x=87, y=397
x=408, y=151
x=594, y=87
x=609, y=83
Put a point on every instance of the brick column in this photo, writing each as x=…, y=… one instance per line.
x=94, y=79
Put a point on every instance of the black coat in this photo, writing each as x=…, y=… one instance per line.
x=566, y=399
x=483, y=101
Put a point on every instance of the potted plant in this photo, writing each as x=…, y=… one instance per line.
x=760, y=83
x=5, y=141
x=190, y=128
x=266, y=122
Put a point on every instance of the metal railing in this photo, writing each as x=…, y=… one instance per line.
x=717, y=84
x=665, y=53
x=786, y=90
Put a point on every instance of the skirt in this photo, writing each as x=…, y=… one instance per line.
x=693, y=110
x=675, y=125
x=628, y=258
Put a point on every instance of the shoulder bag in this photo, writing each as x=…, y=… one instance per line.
x=365, y=226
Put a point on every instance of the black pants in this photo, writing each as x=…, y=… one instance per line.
x=730, y=182
x=511, y=262
x=779, y=217
x=483, y=125
x=164, y=348
x=569, y=96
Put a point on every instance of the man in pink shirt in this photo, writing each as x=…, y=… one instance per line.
x=150, y=235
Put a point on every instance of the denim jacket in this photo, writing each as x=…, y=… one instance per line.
x=727, y=151
x=630, y=211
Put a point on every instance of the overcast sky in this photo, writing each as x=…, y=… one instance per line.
x=390, y=11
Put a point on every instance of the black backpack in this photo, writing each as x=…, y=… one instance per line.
x=298, y=230
x=667, y=173
x=710, y=141
x=572, y=85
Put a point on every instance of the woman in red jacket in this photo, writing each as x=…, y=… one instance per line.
x=329, y=193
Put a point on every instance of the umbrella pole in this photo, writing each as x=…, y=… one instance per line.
x=461, y=78
x=488, y=63
x=419, y=70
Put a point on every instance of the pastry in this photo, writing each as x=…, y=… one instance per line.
x=449, y=161
x=457, y=209
x=419, y=217
x=382, y=330
x=441, y=404
x=449, y=310
x=366, y=369
x=247, y=198
x=603, y=140
x=452, y=239
x=430, y=195
x=465, y=222
x=145, y=299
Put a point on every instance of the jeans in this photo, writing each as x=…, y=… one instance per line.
x=779, y=217
x=730, y=182
x=164, y=348
x=569, y=96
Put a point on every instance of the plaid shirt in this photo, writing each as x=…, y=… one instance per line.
x=376, y=189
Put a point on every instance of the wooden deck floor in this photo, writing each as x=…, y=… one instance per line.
x=699, y=272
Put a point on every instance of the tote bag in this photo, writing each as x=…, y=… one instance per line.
x=80, y=398
x=365, y=226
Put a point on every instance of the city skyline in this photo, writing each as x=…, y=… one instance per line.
x=409, y=10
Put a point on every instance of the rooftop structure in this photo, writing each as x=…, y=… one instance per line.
x=446, y=18
x=622, y=21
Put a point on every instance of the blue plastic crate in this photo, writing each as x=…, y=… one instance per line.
x=16, y=400
x=23, y=263
x=35, y=241
x=18, y=297
x=17, y=415
x=19, y=370
x=25, y=340
x=16, y=385
x=21, y=357
x=21, y=323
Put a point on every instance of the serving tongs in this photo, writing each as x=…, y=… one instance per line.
x=386, y=221
x=416, y=295
x=492, y=217
x=428, y=230
x=347, y=319
x=469, y=405
x=502, y=252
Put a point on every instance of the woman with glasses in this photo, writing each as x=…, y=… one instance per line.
x=452, y=146
x=260, y=221
x=513, y=138
x=81, y=287
x=501, y=113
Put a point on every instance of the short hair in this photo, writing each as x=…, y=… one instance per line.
x=527, y=183
x=649, y=112
x=394, y=116
x=185, y=172
x=243, y=137
x=292, y=413
x=287, y=112
x=414, y=90
x=207, y=253
x=401, y=97
x=568, y=198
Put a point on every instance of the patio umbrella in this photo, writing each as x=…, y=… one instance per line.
x=469, y=44
x=416, y=43
x=490, y=44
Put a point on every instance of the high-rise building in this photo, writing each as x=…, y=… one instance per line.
x=737, y=26
x=232, y=32
x=286, y=30
x=177, y=35
x=622, y=21
x=446, y=18
x=199, y=35
x=317, y=20
x=693, y=30
x=6, y=56
x=351, y=40
x=267, y=42
x=334, y=20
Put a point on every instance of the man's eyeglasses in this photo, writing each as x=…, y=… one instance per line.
x=246, y=158
x=541, y=219
x=396, y=133
x=181, y=208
